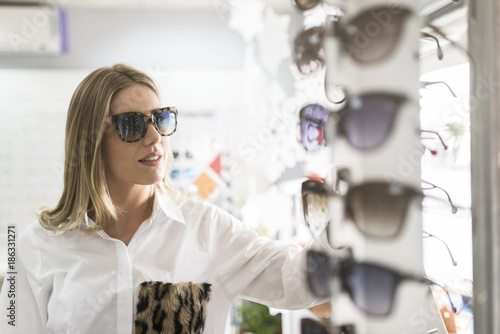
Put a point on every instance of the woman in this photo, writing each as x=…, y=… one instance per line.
x=121, y=252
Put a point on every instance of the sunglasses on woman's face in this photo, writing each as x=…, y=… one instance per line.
x=371, y=287
x=132, y=126
x=365, y=121
x=373, y=34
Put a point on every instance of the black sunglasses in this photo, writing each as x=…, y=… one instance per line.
x=365, y=121
x=371, y=35
x=372, y=287
x=311, y=326
x=132, y=126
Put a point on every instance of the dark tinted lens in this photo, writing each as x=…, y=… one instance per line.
x=372, y=35
x=166, y=122
x=310, y=326
x=312, y=120
x=378, y=209
x=371, y=288
x=308, y=50
x=368, y=119
x=315, y=206
x=319, y=271
x=305, y=4
x=131, y=127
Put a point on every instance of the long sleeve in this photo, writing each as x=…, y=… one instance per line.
x=23, y=300
x=259, y=269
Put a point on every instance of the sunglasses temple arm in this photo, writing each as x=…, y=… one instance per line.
x=428, y=235
x=428, y=83
x=431, y=281
x=454, y=209
x=437, y=135
x=439, y=49
x=459, y=47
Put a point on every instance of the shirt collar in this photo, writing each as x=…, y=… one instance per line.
x=162, y=203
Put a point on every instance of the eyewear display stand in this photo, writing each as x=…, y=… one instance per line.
x=484, y=28
x=396, y=161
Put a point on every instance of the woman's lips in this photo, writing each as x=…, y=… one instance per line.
x=153, y=159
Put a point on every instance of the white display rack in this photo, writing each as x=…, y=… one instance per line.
x=414, y=311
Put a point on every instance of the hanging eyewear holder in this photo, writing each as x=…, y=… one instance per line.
x=397, y=159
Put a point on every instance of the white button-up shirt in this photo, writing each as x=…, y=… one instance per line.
x=72, y=284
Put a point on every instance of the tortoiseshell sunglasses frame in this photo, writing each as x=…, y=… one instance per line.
x=147, y=119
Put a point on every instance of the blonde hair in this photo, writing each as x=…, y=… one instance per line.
x=84, y=168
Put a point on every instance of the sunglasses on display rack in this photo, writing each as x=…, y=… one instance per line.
x=315, y=198
x=132, y=126
x=365, y=121
x=315, y=205
x=304, y=5
x=311, y=326
x=313, y=118
x=371, y=287
x=372, y=35
x=188, y=173
x=369, y=37
x=378, y=209
x=309, y=55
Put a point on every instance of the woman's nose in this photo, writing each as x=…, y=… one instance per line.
x=152, y=135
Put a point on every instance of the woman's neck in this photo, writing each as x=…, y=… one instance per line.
x=134, y=205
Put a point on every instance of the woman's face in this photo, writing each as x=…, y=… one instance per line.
x=129, y=164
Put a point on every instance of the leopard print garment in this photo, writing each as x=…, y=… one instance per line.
x=172, y=308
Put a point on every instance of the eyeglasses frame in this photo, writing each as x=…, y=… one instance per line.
x=337, y=119
x=114, y=119
x=337, y=28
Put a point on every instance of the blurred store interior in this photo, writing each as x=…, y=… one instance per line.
x=228, y=66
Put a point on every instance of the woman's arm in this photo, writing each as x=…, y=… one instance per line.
x=258, y=269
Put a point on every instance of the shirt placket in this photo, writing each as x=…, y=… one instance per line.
x=125, y=291
x=124, y=287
